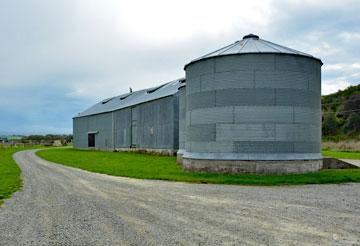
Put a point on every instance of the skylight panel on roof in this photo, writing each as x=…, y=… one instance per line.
x=155, y=89
x=107, y=100
x=125, y=96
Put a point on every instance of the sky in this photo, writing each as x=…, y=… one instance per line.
x=57, y=58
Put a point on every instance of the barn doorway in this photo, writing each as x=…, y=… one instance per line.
x=91, y=140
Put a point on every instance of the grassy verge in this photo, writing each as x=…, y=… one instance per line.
x=9, y=172
x=342, y=154
x=165, y=168
x=345, y=145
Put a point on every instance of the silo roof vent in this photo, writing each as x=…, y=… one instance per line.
x=251, y=36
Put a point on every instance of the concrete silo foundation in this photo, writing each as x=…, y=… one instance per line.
x=260, y=167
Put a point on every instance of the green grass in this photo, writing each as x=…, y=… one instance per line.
x=9, y=172
x=342, y=154
x=144, y=166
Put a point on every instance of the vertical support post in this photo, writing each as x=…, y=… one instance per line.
x=113, y=129
x=131, y=128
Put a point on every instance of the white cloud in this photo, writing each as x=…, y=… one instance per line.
x=173, y=21
x=331, y=86
x=350, y=36
x=338, y=76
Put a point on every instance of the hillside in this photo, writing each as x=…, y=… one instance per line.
x=341, y=114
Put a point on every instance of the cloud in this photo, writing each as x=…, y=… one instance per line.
x=338, y=76
x=350, y=36
x=332, y=86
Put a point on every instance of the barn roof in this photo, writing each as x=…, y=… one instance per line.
x=134, y=98
x=252, y=44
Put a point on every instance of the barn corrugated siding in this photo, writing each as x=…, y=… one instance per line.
x=101, y=123
x=150, y=125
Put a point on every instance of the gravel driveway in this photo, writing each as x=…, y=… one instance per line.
x=65, y=206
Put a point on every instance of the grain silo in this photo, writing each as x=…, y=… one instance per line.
x=253, y=106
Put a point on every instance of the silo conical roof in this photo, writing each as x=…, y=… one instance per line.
x=253, y=44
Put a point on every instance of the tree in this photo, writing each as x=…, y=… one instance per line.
x=330, y=124
x=352, y=124
x=352, y=105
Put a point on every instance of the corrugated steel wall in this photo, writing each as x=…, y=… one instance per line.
x=122, y=123
x=252, y=105
x=155, y=123
x=101, y=123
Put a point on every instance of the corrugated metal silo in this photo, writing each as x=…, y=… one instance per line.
x=253, y=106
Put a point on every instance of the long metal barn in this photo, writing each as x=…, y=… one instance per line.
x=146, y=120
x=252, y=106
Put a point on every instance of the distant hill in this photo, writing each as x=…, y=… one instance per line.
x=341, y=114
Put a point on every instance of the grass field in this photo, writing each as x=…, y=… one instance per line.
x=165, y=168
x=9, y=172
x=341, y=154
